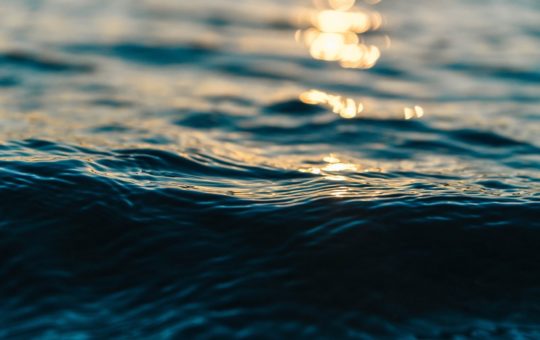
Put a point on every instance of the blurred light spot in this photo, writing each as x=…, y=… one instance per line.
x=419, y=111
x=334, y=165
x=340, y=193
x=410, y=113
x=334, y=34
x=335, y=178
x=345, y=107
x=342, y=5
x=331, y=159
x=338, y=167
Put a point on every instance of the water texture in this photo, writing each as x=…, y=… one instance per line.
x=162, y=174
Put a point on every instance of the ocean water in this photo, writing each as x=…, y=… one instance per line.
x=209, y=169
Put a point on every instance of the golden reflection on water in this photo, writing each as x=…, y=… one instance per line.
x=335, y=33
x=335, y=168
x=410, y=113
x=349, y=108
x=345, y=107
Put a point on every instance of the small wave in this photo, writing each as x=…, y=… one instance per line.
x=102, y=249
x=39, y=62
x=152, y=54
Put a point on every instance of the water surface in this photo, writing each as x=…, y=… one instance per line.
x=174, y=169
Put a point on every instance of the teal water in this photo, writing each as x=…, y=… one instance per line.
x=175, y=170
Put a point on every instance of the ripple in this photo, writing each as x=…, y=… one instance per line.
x=159, y=177
x=122, y=254
x=490, y=139
x=39, y=62
x=293, y=106
x=152, y=54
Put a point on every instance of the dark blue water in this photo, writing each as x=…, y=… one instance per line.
x=163, y=176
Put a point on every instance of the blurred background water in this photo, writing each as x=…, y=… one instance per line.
x=269, y=169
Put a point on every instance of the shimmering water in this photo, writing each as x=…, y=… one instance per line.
x=174, y=169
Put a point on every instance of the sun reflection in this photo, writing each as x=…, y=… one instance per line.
x=342, y=5
x=349, y=108
x=333, y=165
x=335, y=32
x=345, y=107
x=341, y=192
x=410, y=113
x=337, y=167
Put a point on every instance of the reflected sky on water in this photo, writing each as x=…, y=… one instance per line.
x=154, y=69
